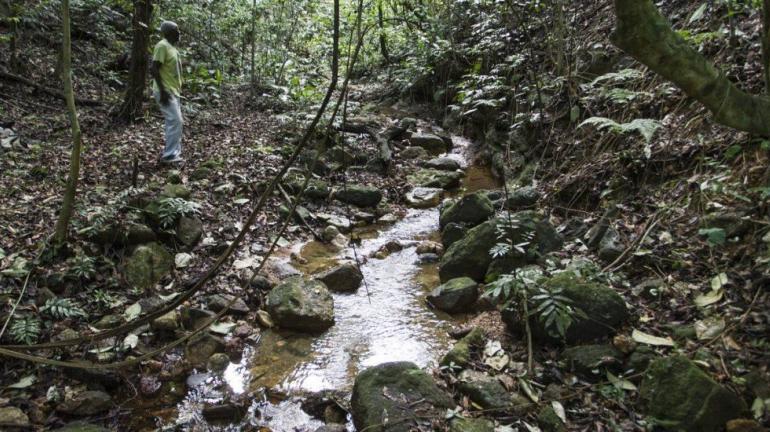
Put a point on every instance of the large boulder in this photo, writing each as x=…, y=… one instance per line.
x=432, y=178
x=604, y=309
x=433, y=144
x=387, y=397
x=422, y=197
x=443, y=163
x=359, y=195
x=451, y=233
x=147, y=265
x=470, y=256
x=470, y=210
x=456, y=295
x=484, y=390
x=344, y=278
x=591, y=361
x=681, y=397
x=460, y=354
x=189, y=231
x=301, y=305
x=522, y=198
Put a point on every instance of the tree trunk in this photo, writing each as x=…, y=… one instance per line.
x=62, y=225
x=646, y=35
x=766, y=43
x=132, y=104
x=253, y=43
x=383, y=37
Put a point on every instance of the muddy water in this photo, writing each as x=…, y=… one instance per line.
x=387, y=319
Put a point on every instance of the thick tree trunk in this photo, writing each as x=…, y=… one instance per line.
x=132, y=104
x=62, y=225
x=766, y=43
x=646, y=35
x=383, y=38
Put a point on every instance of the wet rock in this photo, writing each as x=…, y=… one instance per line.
x=460, y=354
x=264, y=319
x=433, y=144
x=109, y=321
x=549, y=421
x=359, y=195
x=167, y=323
x=470, y=255
x=81, y=427
x=172, y=190
x=677, y=393
x=591, y=361
x=385, y=395
x=200, y=349
x=470, y=211
x=147, y=265
x=431, y=178
x=333, y=427
x=194, y=318
x=344, y=278
x=388, y=248
x=427, y=258
x=484, y=390
x=422, y=197
x=223, y=413
x=218, y=302
x=464, y=424
x=301, y=305
x=429, y=247
x=455, y=295
x=604, y=308
x=522, y=198
x=443, y=163
x=87, y=403
x=413, y=152
x=451, y=233
x=281, y=269
x=13, y=417
x=189, y=231
x=218, y=362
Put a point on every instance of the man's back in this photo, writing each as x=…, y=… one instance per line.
x=170, y=67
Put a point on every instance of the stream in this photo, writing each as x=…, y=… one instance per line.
x=386, y=320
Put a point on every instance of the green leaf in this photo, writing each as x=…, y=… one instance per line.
x=698, y=14
x=714, y=236
x=733, y=151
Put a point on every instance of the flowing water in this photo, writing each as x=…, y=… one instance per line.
x=386, y=320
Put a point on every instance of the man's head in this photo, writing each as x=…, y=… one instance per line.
x=170, y=31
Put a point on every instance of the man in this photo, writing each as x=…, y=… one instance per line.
x=166, y=87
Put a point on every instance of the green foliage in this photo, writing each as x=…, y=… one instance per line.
x=645, y=127
x=82, y=267
x=171, y=209
x=714, y=236
x=555, y=311
x=60, y=308
x=25, y=330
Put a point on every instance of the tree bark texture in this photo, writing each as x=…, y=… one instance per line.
x=646, y=35
x=132, y=104
x=62, y=225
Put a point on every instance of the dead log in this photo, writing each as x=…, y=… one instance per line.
x=384, y=150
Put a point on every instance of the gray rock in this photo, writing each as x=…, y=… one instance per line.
x=387, y=397
x=432, y=178
x=200, y=349
x=87, y=403
x=455, y=295
x=147, y=265
x=359, y=195
x=343, y=278
x=591, y=361
x=13, y=417
x=677, y=393
x=484, y=390
x=443, y=163
x=109, y=321
x=470, y=211
x=522, y=198
x=301, y=305
x=610, y=247
x=464, y=424
x=433, y=144
x=189, y=231
x=218, y=362
x=217, y=302
x=172, y=190
x=167, y=323
x=424, y=197
x=413, y=152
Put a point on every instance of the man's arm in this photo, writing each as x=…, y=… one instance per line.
x=155, y=70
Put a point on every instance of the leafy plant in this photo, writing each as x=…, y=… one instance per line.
x=63, y=308
x=82, y=267
x=171, y=209
x=645, y=127
x=555, y=311
x=25, y=330
x=714, y=236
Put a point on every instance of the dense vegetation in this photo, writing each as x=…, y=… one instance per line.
x=611, y=275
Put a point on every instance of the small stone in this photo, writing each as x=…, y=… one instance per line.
x=591, y=361
x=189, y=231
x=149, y=385
x=443, y=163
x=330, y=233
x=413, y=152
x=549, y=421
x=522, y=198
x=428, y=246
x=423, y=197
x=460, y=354
x=218, y=302
x=147, y=265
x=109, y=321
x=13, y=417
x=624, y=344
x=264, y=319
x=484, y=390
x=167, y=323
x=464, y=424
x=218, y=362
x=201, y=348
x=87, y=403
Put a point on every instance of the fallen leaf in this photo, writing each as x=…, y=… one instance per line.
x=709, y=328
x=648, y=339
x=710, y=298
x=182, y=260
x=558, y=408
x=620, y=383
x=133, y=312
x=24, y=382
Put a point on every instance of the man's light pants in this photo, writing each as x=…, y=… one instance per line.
x=172, y=113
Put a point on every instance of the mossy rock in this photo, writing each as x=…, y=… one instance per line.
x=522, y=198
x=460, y=354
x=201, y=173
x=470, y=256
x=316, y=189
x=470, y=211
x=172, y=190
x=485, y=391
x=147, y=265
x=591, y=361
x=451, y=233
x=297, y=304
x=549, y=421
x=433, y=144
x=387, y=398
x=359, y=195
x=123, y=235
x=462, y=424
x=432, y=178
x=413, y=152
x=189, y=231
x=679, y=396
x=455, y=295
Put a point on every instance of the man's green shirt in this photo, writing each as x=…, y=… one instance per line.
x=170, y=67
